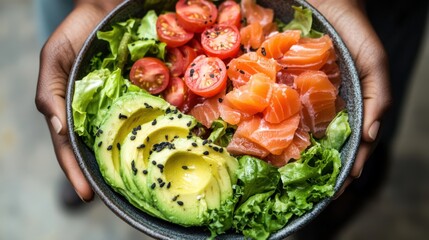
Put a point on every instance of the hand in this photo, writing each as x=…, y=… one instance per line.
x=56, y=59
x=348, y=18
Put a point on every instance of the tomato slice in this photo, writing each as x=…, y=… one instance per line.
x=196, y=15
x=175, y=92
x=170, y=32
x=150, y=74
x=189, y=54
x=175, y=62
x=229, y=13
x=222, y=41
x=191, y=99
x=196, y=45
x=206, y=76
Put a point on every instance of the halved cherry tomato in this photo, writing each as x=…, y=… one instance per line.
x=196, y=15
x=222, y=41
x=206, y=76
x=150, y=74
x=196, y=45
x=175, y=62
x=175, y=92
x=191, y=99
x=170, y=32
x=188, y=54
x=229, y=13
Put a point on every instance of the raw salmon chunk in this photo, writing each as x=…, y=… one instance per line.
x=284, y=103
x=277, y=45
x=242, y=68
x=318, y=97
x=273, y=137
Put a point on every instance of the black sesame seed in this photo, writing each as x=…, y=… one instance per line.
x=162, y=184
x=145, y=172
x=264, y=53
x=153, y=186
x=212, y=75
x=180, y=203
x=221, y=150
x=241, y=71
x=168, y=185
x=175, y=198
x=189, y=123
x=168, y=110
x=216, y=149
x=122, y=116
x=109, y=148
x=132, y=138
x=118, y=145
x=160, y=166
x=147, y=139
x=153, y=162
x=180, y=115
x=159, y=180
x=141, y=146
x=100, y=143
x=220, y=100
x=185, y=167
x=171, y=118
x=139, y=127
x=205, y=142
x=154, y=122
x=194, y=144
x=133, y=167
x=206, y=153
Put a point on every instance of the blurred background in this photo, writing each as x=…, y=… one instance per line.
x=30, y=178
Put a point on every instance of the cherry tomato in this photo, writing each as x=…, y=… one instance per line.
x=175, y=92
x=206, y=76
x=150, y=74
x=196, y=45
x=229, y=13
x=188, y=54
x=191, y=99
x=170, y=32
x=175, y=62
x=196, y=15
x=222, y=41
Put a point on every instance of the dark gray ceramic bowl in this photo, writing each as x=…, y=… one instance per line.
x=160, y=229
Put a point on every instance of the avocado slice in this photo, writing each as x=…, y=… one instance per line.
x=126, y=113
x=190, y=176
x=141, y=141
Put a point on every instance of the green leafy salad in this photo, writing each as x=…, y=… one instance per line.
x=198, y=117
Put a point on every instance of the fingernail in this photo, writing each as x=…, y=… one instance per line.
x=81, y=198
x=56, y=124
x=373, y=130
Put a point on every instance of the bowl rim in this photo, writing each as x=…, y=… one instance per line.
x=293, y=225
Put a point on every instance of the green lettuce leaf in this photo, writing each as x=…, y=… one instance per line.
x=147, y=28
x=92, y=98
x=221, y=133
x=311, y=178
x=256, y=176
x=338, y=131
x=302, y=20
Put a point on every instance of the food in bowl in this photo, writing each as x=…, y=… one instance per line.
x=215, y=115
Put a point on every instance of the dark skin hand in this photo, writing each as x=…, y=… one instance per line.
x=56, y=60
x=350, y=21
x=59, y=52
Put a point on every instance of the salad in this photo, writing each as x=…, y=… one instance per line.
x=215, y=114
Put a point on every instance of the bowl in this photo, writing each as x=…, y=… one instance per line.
x=159, y=229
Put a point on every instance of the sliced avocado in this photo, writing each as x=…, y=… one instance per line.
x=125, y=114
x=141, y=141
x=189, y=176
